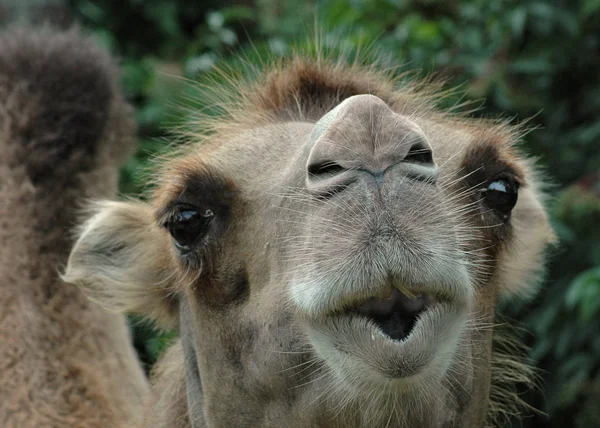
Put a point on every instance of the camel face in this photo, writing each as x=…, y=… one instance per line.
x=383, y=280
x=333, y=260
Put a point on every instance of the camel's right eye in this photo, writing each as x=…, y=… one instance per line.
x=188, y=226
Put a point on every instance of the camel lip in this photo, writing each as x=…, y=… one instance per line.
x=393, y=348
x=394, y=310
x=318, y=298
x=410, y=300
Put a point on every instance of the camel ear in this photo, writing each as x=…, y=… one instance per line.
x=121, y=261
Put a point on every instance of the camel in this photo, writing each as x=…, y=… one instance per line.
x=331, y=250
x=64, y=131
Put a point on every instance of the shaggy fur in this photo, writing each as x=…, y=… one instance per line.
x=64, y=131
x=260, y=298
x=254, y=349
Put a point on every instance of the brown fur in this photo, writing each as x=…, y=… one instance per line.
x=64, y=131
x=260, y=305
x=167, y=405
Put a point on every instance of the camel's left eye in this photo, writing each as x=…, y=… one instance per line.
x=501, y=194
x=188, y=226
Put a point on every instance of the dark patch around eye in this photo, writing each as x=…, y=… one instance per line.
x=205, y=190
x=228, y=286
x=202, y=207
x=484, y=163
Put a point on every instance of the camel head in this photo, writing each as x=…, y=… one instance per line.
x=331, y=250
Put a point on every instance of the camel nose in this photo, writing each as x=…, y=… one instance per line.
x=362, y=134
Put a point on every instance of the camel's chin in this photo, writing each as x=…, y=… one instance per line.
x=361, y=355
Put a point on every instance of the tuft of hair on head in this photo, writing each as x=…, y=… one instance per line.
x=59, y=103
x=305, y=85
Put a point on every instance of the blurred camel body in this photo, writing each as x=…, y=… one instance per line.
x=330, y=249
x=64, y=132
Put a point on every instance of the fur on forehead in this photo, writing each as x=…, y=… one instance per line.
x=306, y=86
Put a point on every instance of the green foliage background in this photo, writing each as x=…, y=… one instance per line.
x=534, y=59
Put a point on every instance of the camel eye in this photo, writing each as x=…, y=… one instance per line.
x=501, y=195
x=188, y=226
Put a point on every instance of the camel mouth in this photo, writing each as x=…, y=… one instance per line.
x=393, y=330
x=396, y=313
x=399, y=334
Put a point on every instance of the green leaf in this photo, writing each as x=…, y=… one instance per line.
x=584, y=294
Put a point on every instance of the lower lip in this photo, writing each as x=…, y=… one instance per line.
x=358, y=342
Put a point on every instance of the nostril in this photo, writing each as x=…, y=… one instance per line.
x=326, y=168
x=327, y=178
x=419, y=153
